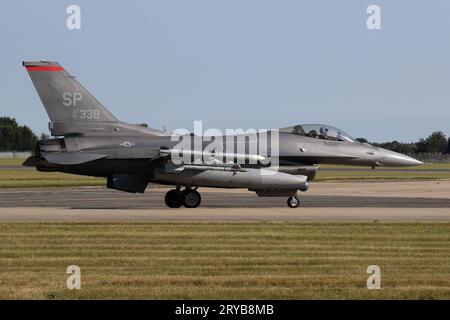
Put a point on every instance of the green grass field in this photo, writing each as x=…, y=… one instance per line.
x=432, y=166
x=379, y=175
x=11, y=161
x=30, y=178
x=225, y=260
x=399, y=174
x=13, y=175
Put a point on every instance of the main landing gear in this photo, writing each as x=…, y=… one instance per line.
x=190, y=198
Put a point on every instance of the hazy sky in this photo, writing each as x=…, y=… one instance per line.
x=240, y=63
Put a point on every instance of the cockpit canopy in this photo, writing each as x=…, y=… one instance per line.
x=319, y=131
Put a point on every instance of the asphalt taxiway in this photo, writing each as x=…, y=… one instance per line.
x=102, y=198
x=399, y=201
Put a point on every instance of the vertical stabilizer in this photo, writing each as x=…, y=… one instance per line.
x=64, y=99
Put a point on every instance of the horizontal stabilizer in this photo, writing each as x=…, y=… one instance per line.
x=68, y=158
x=31, y=161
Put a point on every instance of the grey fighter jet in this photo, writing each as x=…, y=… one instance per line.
x=89, y=140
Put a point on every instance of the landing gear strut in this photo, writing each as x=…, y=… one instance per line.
x=293, y=201
x=190, y=198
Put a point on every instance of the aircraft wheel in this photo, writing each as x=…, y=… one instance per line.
x=293, y=202
x=173, y=199
x=191, y=198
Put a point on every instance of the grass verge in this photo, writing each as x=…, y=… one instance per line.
x=379, y=175
x=224, y=260
x=30, y=178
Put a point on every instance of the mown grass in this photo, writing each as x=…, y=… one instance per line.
x=441, y=166
x=29, y=178
x=399, y=173
x=11, y=161
x=379, y=175
x=225, y=260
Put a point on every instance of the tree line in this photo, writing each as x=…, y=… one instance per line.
x=15, y=137
x=436, y=142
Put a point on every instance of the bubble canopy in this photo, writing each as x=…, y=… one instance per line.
x=319, y=131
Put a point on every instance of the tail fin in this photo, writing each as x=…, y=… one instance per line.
x=64, y=99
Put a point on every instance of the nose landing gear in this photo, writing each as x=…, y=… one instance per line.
x=293, y=201
x=189, y=198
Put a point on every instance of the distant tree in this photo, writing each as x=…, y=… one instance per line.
x=436, y=142
x=44, y=136
x=362, y=140
x=397, y=146
x=14, y=137
x=448, y=146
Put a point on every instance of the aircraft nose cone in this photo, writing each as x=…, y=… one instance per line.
x=395, y=159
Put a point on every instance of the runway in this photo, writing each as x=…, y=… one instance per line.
x=382, y=201
x=103, y=198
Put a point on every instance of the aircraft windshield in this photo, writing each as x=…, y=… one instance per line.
x=319, y=131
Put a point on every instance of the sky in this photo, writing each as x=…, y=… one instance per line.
x=240, y=63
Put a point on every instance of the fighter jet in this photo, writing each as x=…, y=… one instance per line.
x=89, y=140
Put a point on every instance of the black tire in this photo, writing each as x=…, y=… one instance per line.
x=293, y=202
x=173, y=199
x=191, y=198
